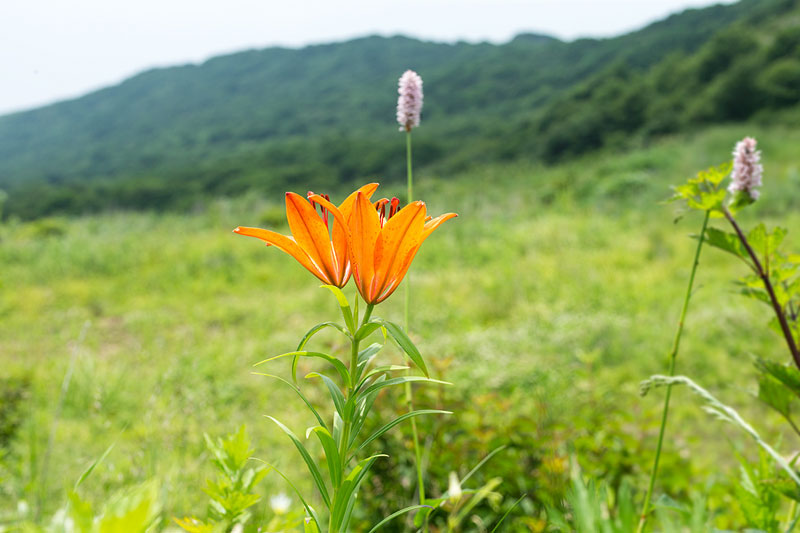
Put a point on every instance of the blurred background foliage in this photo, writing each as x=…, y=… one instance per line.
x=546, y=302
x=321, y=116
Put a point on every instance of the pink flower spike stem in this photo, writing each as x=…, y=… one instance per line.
x=409, y=101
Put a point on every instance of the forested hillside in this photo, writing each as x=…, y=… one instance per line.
x=323, y=115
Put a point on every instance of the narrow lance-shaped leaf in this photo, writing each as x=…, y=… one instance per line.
x=310, y=510
x=299, y=393
x=312, y=466
x=344, y=305
x=395, y=515
x=331, y=454
x=307, y=337
x=336, y=393
x=363, y=407
x=338, y=365
x=349, y=488
x=397, y=381
x=399, y=419
x=405, y=343
x=366, y=330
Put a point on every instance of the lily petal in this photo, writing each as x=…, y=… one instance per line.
x=401, y=271
x=432, y=224
x=339, y=236
x=284, y=244
x=310, y=233
x=401, y=234
x=340, y=254
x=365, y=228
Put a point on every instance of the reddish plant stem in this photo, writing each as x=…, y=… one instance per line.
x=779, y=312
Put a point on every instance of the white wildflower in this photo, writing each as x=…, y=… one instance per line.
x=454, y=489
x=280, y=503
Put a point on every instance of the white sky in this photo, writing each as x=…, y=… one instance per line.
x=56, y=49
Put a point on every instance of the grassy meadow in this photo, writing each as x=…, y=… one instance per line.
x=545, y=303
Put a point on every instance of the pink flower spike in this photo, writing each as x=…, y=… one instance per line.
x=409, y=103
x=747, y=169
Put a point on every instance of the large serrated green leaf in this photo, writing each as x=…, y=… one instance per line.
x=775, y=394
x=786, y=374
x=728, y=242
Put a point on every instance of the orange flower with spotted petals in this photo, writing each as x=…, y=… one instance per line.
x=322, y=248
x=384, y=244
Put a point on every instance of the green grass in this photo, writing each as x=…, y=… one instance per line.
x=555, y=287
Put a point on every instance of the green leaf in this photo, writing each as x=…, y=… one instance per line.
x=347, y=492
x=92, y=466
x=307, y=337
x=758, y=239
x=133, y=510
x=505, y=515
x=397, y=381
x=369, y=351
x=338, y=365
x=331, y=454
x=703, y=191
x=399, y=419
x=363, y=407
x=382, y=369
x=312, y=466
x=81, y=512
x=344, y=305
x=299, y=393
x=366, y=330
x=786, y=374
x=309, y=509
x=316, y=329
x=483, y=462
x=728, y=242
x=395, y=515
x=775, y=394
x=405, y=343
x=336, y=393
x=364, y=357
x=337, y=426
x=310, y=525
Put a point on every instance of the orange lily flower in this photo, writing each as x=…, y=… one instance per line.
x=383, y=245
x=323, y=251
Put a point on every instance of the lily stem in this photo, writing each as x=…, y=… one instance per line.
x=347, y=426
x=408, y=390
x=672, y=356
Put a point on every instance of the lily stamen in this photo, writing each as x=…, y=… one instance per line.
x=323, y=213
